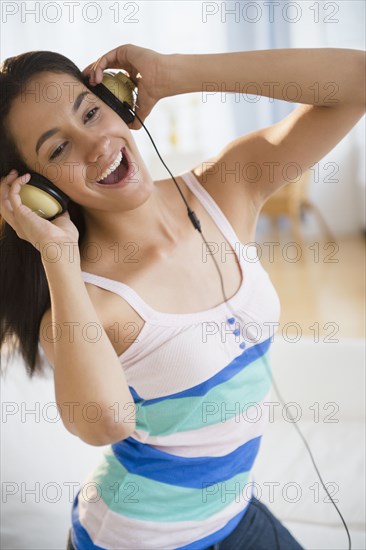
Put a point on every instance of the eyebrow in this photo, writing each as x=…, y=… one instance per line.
x=50, y=133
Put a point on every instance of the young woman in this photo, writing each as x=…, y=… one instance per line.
x=126, y=301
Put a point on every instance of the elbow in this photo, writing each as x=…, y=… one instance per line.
x=104, y=430
x=111, y=432
x=115, y=432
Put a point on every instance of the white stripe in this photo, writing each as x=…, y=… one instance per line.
x=110, y=530
x=201, y=357
x=216, y=440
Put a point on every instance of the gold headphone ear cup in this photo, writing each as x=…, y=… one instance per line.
x=121, y=87
x=110, y=91
x=40, y=202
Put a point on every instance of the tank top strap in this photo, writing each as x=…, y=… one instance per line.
x=212, y=207
x=122, y=290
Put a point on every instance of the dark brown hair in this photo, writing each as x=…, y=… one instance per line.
x=24, y=293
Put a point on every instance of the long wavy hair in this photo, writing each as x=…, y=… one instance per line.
x=24, y=292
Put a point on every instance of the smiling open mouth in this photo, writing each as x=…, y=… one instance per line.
x=119, y=174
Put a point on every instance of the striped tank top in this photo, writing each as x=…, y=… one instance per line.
x=183, y=479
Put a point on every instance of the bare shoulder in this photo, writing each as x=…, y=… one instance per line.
x=222, y=177
x=120, y=321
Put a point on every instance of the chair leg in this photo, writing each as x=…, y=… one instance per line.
x=296, y=231
x=275, y=228
x=296, y=228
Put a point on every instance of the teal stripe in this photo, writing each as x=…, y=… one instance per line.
x=145, y=499
x=221, y=403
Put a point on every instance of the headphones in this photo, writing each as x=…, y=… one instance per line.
x=40, y=194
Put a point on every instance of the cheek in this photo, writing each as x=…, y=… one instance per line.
x=75, y=175
x=66, y=177
x=90, y=172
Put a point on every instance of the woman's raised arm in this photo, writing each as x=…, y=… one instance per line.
x=328, y=82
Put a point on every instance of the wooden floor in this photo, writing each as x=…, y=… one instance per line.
x=321, y=284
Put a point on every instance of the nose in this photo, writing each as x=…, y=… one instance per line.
x=96, y=147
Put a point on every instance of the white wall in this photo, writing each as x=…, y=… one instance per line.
x=338, y=25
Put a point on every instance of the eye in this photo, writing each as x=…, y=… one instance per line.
x=89, y=116
x=94, y=111
x=57, y=151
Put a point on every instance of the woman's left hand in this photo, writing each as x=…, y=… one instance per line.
x=148, y=69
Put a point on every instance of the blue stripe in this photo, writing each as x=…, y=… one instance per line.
x=135, y=395
x=80, y=537
x=143, y=460
x=217, y=536
x=239, y=363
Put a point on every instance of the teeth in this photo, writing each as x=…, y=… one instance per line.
x=112, y=167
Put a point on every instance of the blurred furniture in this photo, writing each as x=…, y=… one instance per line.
x=292, y=200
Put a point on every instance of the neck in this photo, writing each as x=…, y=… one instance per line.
x=155, y=226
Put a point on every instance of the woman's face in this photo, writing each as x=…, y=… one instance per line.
x=67, y=134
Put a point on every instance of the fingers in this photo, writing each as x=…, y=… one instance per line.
x=20, y=210
x=13, y=195
x=128, y=58
x=24, y=221
x=11, y=203
x=5, y=184
x=95, y=69
x=114, y=59
x=13, y=174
